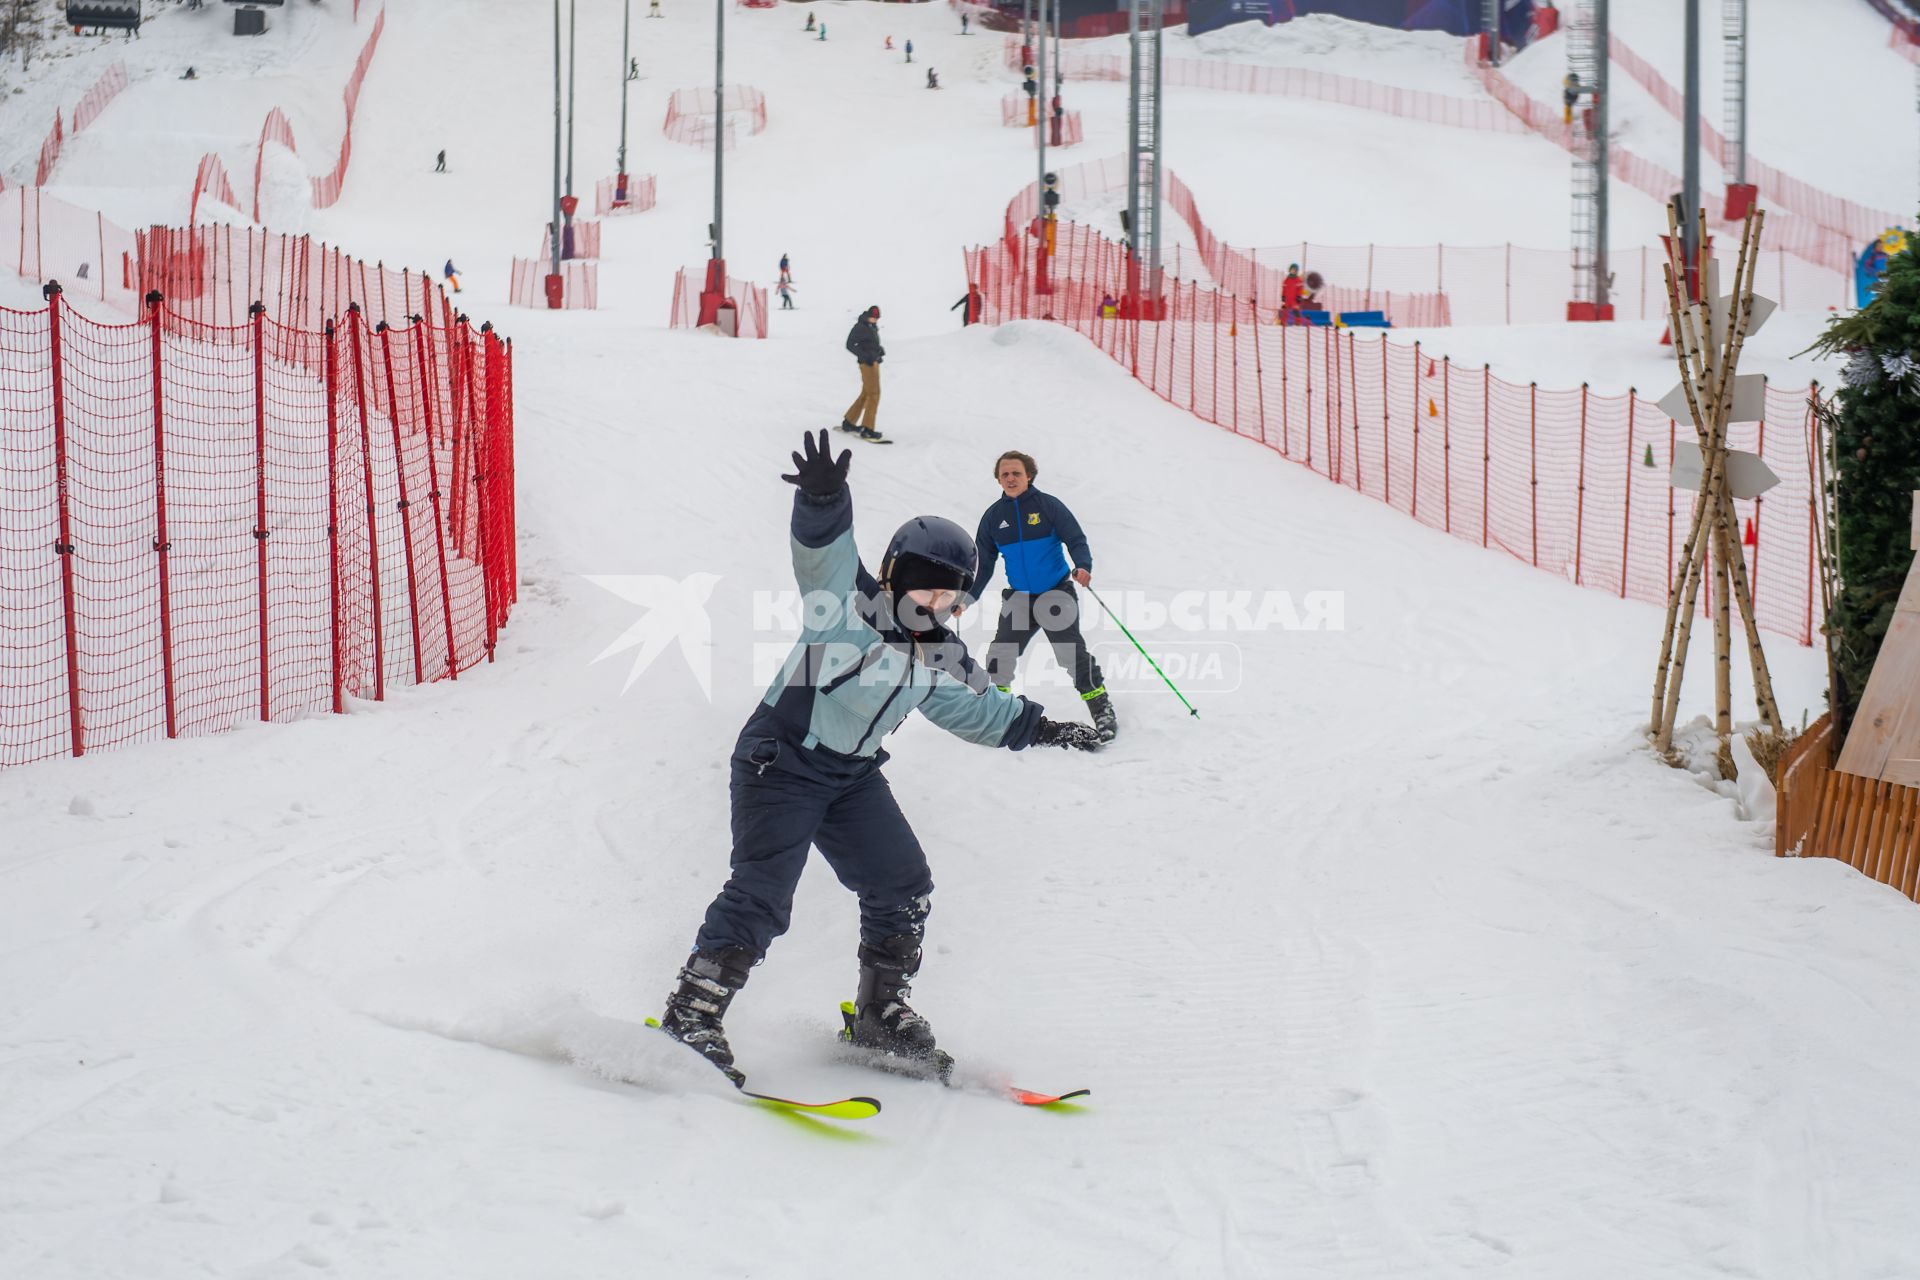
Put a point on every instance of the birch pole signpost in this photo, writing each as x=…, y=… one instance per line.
x=1707, y=340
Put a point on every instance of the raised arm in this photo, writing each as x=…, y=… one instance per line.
x=824, y=558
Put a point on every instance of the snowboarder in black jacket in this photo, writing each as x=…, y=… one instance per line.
x=864, y=342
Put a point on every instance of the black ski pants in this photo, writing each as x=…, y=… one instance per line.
x=787, y=798
x=1056, y=612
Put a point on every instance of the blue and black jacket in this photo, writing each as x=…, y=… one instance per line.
x=1034, y=533
x=856, y=673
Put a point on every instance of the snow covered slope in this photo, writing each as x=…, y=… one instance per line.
x=1403, y=960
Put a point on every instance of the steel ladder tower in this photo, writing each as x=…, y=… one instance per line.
x=1144, y=18
x=1587, y=42
x=1733, y=27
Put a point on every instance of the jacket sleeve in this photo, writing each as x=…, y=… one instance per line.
x=824, y=558
x=992, y=719
x=1070, y=533
x=989, y=553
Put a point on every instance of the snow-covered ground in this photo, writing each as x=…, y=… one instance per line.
x=1404, y=959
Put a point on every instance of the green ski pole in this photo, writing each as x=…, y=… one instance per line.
x=1143, y=652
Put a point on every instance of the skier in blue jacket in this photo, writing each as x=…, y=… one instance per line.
x=1035, y=534
x=806, y=767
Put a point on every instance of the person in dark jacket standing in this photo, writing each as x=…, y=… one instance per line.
x=806, y=767
x=864, y=342
x=1035, y=534
x=974, y=304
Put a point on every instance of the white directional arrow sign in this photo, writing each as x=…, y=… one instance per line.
x=1748, y=476
x=1749, y=400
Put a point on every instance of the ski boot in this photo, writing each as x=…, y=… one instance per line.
x=879, y=1020
x=1100, y=707
x=708, y=984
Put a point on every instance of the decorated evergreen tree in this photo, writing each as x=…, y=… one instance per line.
x=1875, y=471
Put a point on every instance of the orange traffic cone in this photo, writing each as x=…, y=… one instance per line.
x=1433, y=410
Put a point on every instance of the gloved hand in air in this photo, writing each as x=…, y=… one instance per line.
x=819, y=474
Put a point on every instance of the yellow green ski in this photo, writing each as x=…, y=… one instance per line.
x=855, y=1108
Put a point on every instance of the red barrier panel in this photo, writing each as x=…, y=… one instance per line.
x=183, y=552
x=586, y=240
x=1013, y=113
x=579, y=284
x=749, y=300
x=1562, y=479
x=690, y=115
x=641, y=193
x=323, y=191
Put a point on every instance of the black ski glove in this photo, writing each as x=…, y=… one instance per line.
x=1052, y=733
x=818, y=475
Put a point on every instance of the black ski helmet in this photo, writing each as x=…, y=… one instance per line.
x=933, y=541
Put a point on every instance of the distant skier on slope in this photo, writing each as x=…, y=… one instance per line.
x=809, y=25
x=933, y=78
x=785, y=289
x=440, y=162
x=963, y=23
x=909, y=49
x=452, y=274
x=805, y=769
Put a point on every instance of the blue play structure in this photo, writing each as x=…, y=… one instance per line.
x=1456, y=17
x=1872, y=263
x=1347, y=319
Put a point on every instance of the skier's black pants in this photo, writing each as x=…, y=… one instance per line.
x=1056, y=612
x=780, y=807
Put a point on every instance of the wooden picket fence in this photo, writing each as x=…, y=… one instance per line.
x=1872, y=826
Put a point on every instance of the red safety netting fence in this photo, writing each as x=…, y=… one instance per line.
x=1791, y=228
x=1788, y=232
x=1431, y=285
x=212, y=276
x=323, y=190
x=1859, y=223
x=49, y=152
x=579, y=283
x=43, y=237
x=1292, y=82
x=641, y=191
x=209, y=524
x=749, y=303
x=104, y=90
x=326, y=189
x=1559, y=478
x=210, y=178
x=586, y=240
x=1013, y=113
x=690, y=115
